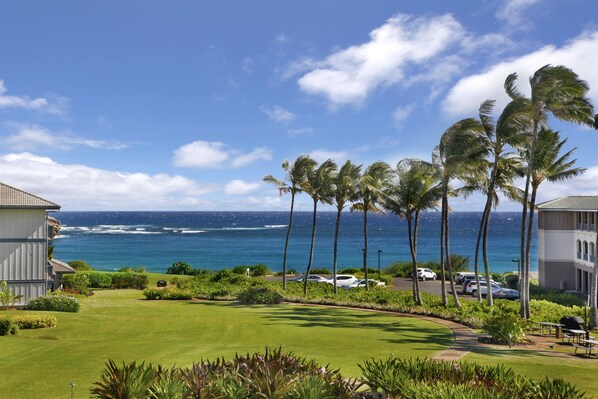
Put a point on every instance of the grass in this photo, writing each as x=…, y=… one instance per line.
x=122, y=326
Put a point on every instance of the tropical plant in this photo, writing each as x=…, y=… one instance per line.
x=503, y=166
x=345, y=191
x=7, y=296
x=372, y=182
x=181, y=268
x=460, y=154
x=131, y=381
x=558, y=91
x=296, y=174
x=319, y=185
x=80, y=265
x=414, y=189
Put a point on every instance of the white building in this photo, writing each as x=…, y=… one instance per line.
x=567, y=242
x=24, y=234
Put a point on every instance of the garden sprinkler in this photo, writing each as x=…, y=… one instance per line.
x=72, y=384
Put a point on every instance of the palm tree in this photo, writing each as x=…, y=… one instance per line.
x=345, y=190
x=503, y=168
x=555, y=90
x=459, y=155
x=319, y=186
x=414, y=189
x=295, y=176
x=372, y=181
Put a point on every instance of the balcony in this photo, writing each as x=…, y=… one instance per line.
x=578, y=255
x=585, y=257
x=579, y=226
x=592, y=258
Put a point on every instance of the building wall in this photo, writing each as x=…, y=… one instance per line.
x=24, y=251
x=556, y=220
x=552, y=273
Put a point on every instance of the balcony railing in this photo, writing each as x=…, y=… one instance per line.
x=579, y=255
x=579, y=226
x=592, y=258
x=585, y=256
x=592, y=227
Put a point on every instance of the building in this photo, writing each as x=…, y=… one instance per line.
x=567, y=242
x=24, y=235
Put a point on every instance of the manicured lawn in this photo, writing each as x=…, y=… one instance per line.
x=577, y=370
x=122, y=326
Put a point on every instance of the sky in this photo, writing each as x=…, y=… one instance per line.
x=186, y=105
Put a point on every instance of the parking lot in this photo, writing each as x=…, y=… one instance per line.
x=429, y=286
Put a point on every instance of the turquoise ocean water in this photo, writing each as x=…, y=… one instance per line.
x=215, y=240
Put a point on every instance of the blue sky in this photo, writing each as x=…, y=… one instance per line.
x=137, y=105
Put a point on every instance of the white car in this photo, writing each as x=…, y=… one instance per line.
x=343, y=280
x=311, y=277
x=372, y=283
x=425, y=274
x=473, y=288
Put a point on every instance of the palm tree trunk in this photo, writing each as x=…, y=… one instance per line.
x=524, y=310
x=286, y=244
x=311, y=251
x=594, y=290
x=412, y=233
x=365, y=248
x=485, y=256
x=477, y=251
x=338, y=223
x=442, y=234
x=530, y=229
x=448, y=257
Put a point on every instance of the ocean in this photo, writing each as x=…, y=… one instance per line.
x=216, y=240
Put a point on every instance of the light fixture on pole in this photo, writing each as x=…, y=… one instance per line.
x=379, y=252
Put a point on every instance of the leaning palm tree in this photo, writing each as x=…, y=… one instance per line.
x=372, y=181
x=503, y=167
x=296, y=173
x=459, y=155
x=346, y=190
x=319, y=185
x=559, y=91
x=414, y=189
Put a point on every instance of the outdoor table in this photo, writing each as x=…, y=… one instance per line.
x=587, y=345
x=545, y=324
x=576, y=334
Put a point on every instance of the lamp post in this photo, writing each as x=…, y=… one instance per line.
x=518, y=273
x=379, y=252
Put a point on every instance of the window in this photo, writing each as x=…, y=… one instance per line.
x=578, y=249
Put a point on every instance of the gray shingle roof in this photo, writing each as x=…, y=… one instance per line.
x=573, y=203
x=13, y=198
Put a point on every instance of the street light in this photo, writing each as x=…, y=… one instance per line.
x=379, y=252
x=518, y=273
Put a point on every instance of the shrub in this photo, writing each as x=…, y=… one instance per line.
x=399, y=269
x=130, y=381
x=224, y=274
x=240, y=269
x=504, y=326
x=80, y=265
x=57, y=303
x=129, y=280
x=99, y=279
x=255, y=295
x=8, y=327
x=168, y=294
x=180, y=268
x=76, y=282
x=7, y=297
x=350, y=270
x=259, y=270
x=32, y=321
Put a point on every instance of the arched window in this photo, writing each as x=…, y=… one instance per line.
x=592, y=252
x=585, y=250
x=578, y=249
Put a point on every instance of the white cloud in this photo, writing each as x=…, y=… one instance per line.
x=205, y=154
x=580, y=54
x=350, y=75
x=247, y=65
x=322, y=155
x=258, y=154
x=278, y=114
x=240, y=187
x=102, y=121
x=512, y=12
x=55, y=106
x=33, y=137
x=300, y=131
x=401, y=114
x=85, y=188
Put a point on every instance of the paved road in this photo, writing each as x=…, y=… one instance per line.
x=429, y=286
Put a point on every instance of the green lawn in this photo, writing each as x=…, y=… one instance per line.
x=122, y=326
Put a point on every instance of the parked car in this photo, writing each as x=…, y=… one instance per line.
x=343, y=280
x=311, y=277
x=468, y=280
x=505, y=293
x=473, y=288
x=460, y=276
x=372, y=283
x=425, y=274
